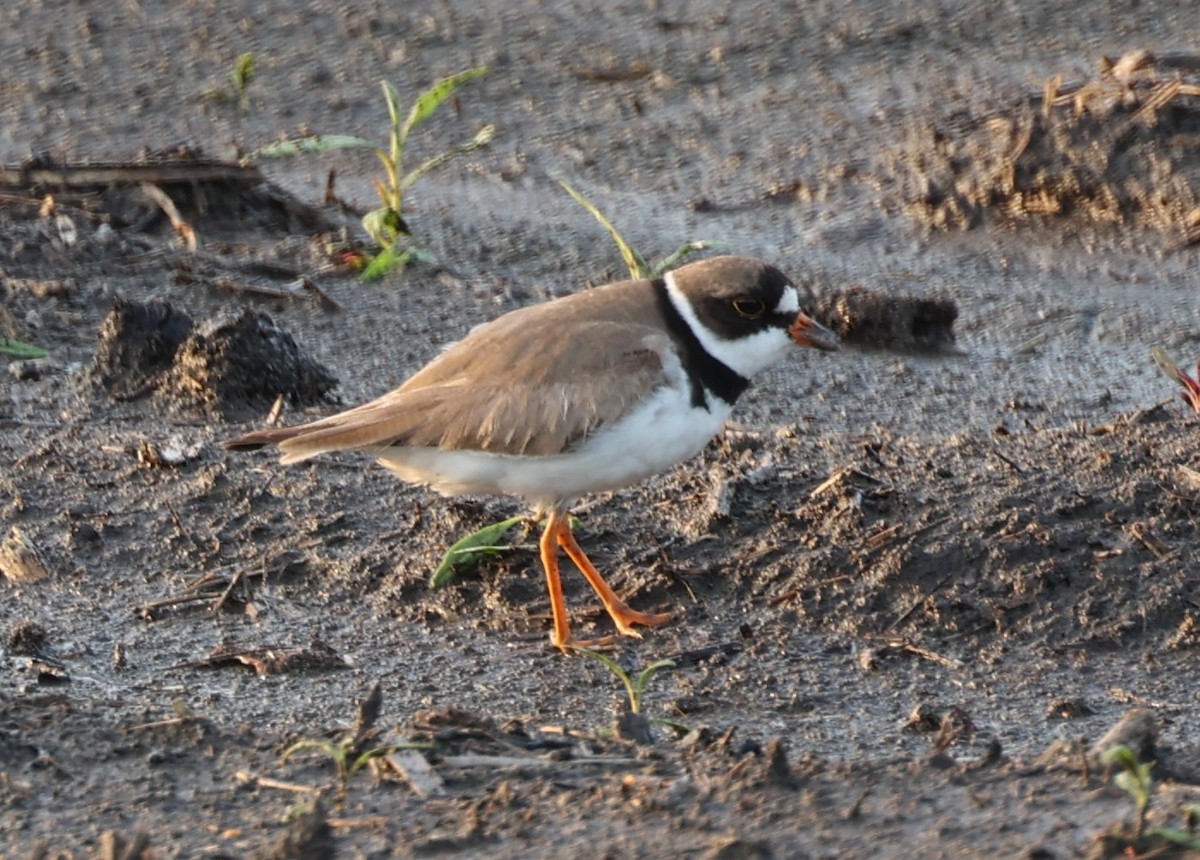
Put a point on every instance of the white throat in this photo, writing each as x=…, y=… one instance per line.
x=745, y=355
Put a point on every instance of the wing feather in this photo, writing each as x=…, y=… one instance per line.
x=547, y=400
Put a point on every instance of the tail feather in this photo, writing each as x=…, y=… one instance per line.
x=261, y=438
x=344, y=432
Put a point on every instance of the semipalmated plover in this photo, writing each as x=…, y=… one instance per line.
x=586, y=393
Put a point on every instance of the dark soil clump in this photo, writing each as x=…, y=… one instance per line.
x=245, y=361
x=875, y=319
x=137, y=345
x=226, y=365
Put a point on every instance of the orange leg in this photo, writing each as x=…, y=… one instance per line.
x=558, y=533
x=548, y=545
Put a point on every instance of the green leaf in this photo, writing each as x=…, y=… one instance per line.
x=1120, y=755
x=304, y=145
x=384, y=226
x=480, y=139
x=429, y=101
x=468, y=552
x=420, y=255
x=669, y=262
x=243, y=72
x=20, y=349
x=329, y=749
x=392, y=99
x=635, y=704
x=1176, y=836
x=649, y=672
x=397, y=136
x=633, y=260
x=385, y=261
x=1128, y=782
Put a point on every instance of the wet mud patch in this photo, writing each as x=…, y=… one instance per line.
x=233, y=364
x=1117, y=150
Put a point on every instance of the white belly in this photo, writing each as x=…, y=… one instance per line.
x=663, y=431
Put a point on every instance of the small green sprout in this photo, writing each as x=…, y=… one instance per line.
x=355, y=749
x=634, y=261
x=345, y=757
x=1135, y=779
x=635, y=688
x=386, y=225
x=242, y=74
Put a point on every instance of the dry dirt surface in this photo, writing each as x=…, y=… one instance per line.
x=915, y=586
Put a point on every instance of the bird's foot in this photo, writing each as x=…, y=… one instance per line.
x=570, y=644
x=625, y=618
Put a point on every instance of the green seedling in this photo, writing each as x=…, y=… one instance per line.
x=242, y=74
x=634, y=261
x=386, y=225
x=20, y=349
x=1134, y=778
x=635, y=688
x=240, y=77
x=355, y=750
x=467, y=554
x=346, y=758
x=1191, y=387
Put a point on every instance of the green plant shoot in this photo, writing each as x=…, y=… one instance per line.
x=634, y=261
x=1133, y=777
x=635, y=689
x=242, y=74
x=385, y=224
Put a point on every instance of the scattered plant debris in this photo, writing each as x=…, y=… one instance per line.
x=183, y=182
x=277, y=660
x=20, y=560
x=1107, y=151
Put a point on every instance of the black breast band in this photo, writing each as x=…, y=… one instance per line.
x=706, y=373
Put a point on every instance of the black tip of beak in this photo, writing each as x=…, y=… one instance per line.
x=808, y=332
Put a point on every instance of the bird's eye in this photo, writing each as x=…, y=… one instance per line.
x=749, y=307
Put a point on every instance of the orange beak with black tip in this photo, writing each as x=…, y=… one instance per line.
x=808, y=332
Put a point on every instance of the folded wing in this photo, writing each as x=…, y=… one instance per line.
x=535, y=396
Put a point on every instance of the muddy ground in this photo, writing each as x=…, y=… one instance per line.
x=913, y=590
